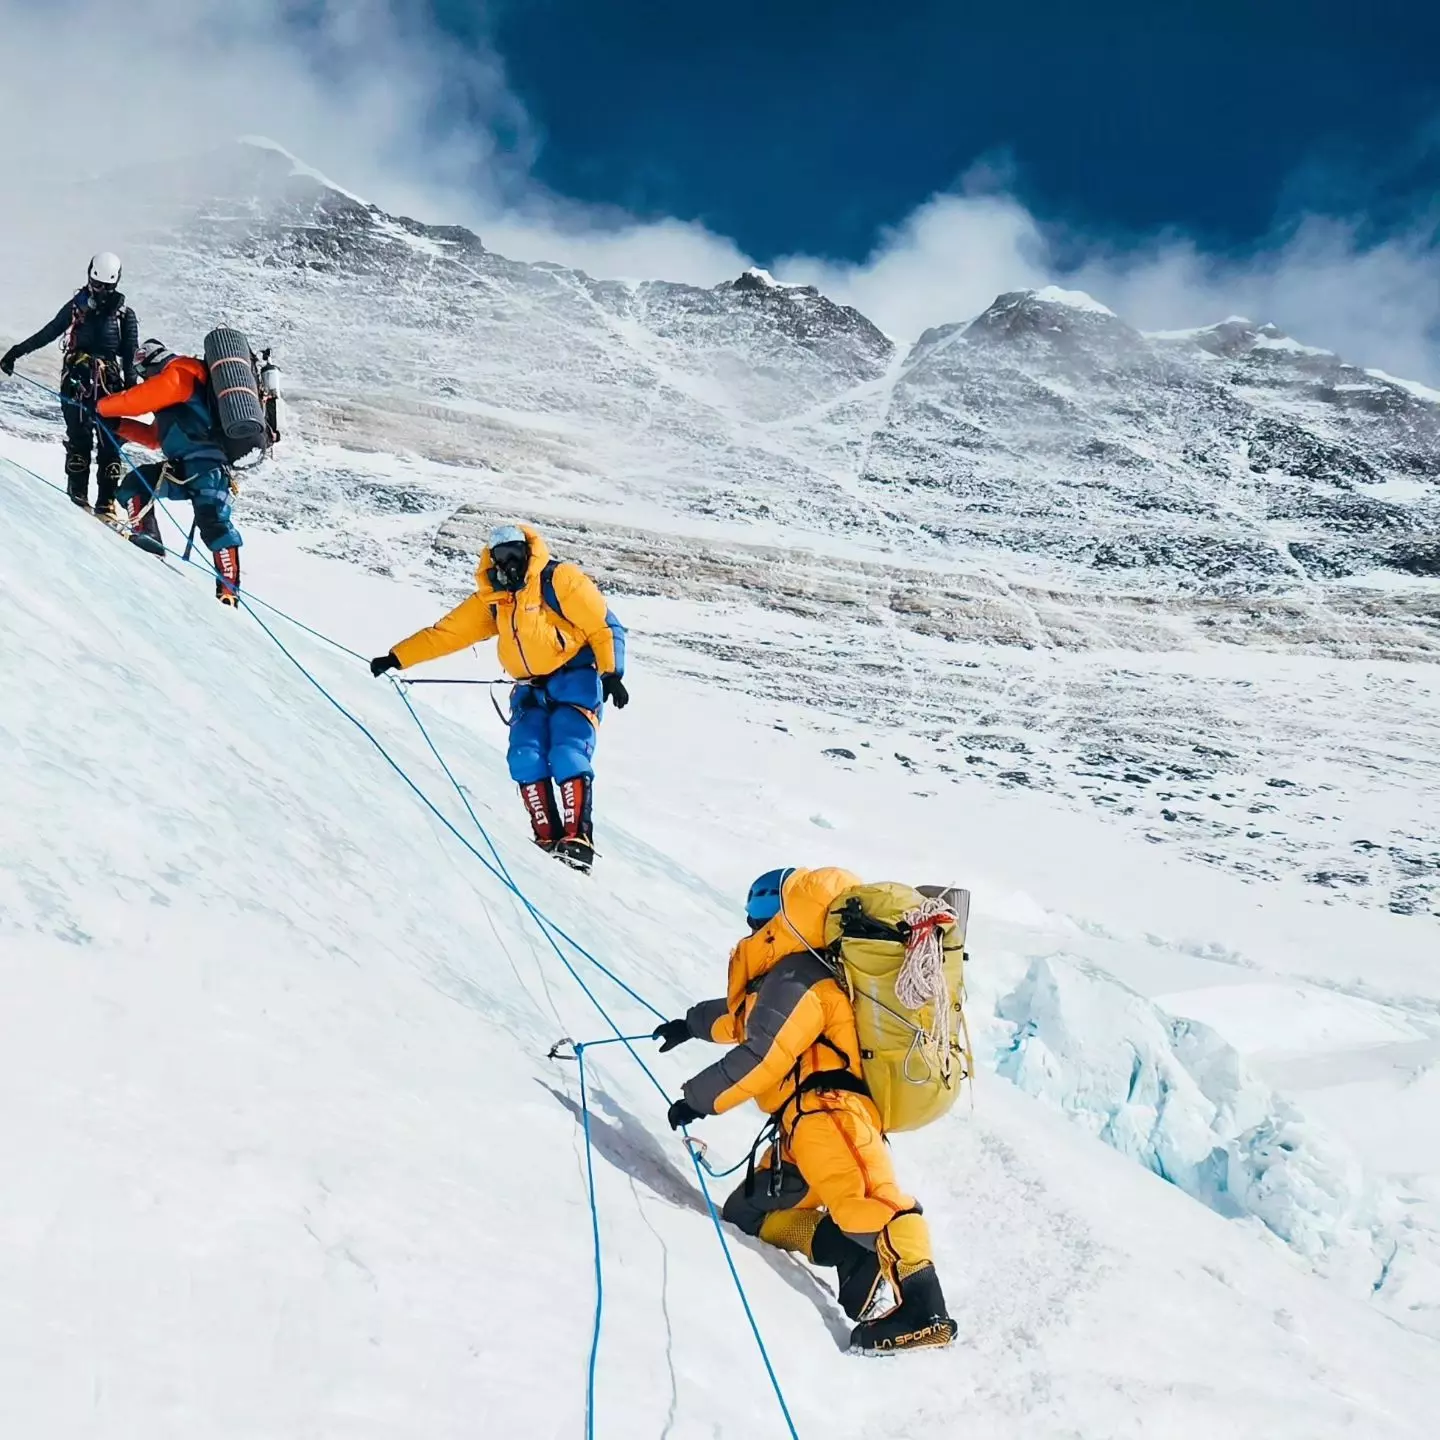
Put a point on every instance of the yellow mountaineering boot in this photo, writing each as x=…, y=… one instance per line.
x=920, y=1321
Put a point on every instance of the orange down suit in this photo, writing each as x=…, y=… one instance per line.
x=790, y=1020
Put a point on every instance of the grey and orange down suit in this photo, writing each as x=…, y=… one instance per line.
x=792, y=1025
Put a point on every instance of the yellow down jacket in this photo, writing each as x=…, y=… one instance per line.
x=535, y=638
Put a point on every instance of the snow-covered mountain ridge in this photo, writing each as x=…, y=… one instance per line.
x=1227, y=459
x=1031, y=544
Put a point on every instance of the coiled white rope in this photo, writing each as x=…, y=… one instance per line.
x=921, y=980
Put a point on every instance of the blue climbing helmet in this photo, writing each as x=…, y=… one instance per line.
x=763, y=902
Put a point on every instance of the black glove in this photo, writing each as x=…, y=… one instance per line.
x=7, y=361
x=672, y=1033
x=612, y=687
x=381, y=663
x=682, y=1112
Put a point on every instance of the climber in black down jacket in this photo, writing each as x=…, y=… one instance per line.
x=101, y=336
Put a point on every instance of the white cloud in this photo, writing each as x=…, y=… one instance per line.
x=1377, y=303
x=613, y=247
x=365, y=89
x=369, y=92
x=947, y=261
x=1319, y=278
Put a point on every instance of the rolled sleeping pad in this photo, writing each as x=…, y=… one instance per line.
x=235, y=392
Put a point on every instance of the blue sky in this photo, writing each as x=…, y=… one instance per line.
x=808, y=126
x=1180, y=161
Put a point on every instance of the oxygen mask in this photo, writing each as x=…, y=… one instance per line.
x=509, y=563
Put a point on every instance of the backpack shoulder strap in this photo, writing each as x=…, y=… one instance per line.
x=77, y=317
x=547, y=588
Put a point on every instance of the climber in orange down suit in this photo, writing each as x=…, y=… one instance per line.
x=827, y=1186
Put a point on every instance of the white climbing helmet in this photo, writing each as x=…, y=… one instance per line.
x=104, y=271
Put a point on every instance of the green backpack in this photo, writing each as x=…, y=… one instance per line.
x=901, y=954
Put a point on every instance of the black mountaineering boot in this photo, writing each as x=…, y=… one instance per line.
x=539, y=798
x=77, y=477
x=577, y=853
x=918, y=1322
x=106, y=485
x=858, y=1268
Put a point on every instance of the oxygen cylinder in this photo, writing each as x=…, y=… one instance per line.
x=235, y=392
x=272, y=395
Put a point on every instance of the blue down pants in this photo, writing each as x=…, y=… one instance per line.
x=551, y=735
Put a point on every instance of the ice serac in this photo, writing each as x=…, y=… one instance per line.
x=1175, y=1097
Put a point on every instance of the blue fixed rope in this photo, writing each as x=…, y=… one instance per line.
x=691, y=1146
x=580, y=1047
x=115, y=442
x=548, y=927
x=595, y=1239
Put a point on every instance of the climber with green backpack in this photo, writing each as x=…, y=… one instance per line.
x=844, y=1008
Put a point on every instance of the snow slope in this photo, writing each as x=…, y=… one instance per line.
x=283, y=1153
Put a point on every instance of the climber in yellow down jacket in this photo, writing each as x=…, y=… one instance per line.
x=566, y=651
x=826, y=1187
